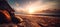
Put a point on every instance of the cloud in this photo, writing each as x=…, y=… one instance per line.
x=17, y=4
x=38, y=6
x=51, y=11
x=22, y=6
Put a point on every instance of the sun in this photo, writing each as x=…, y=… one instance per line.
x=31, y=11
x=30, y=8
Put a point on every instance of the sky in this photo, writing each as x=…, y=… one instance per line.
x=33, y=6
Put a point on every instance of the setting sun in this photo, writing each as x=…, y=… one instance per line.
x=30, y=11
